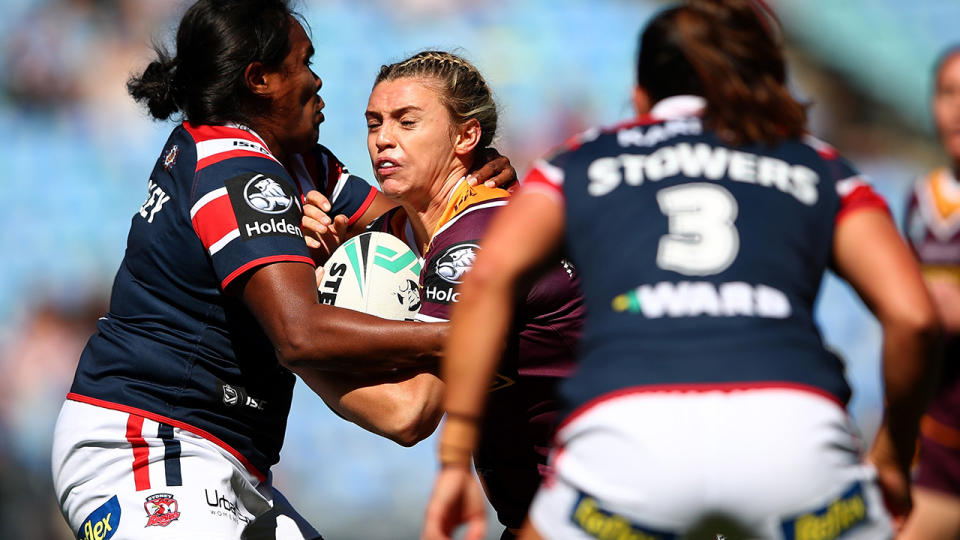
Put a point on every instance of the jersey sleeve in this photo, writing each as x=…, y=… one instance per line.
x=545, y=178
x=348, y=194
x=246, y=212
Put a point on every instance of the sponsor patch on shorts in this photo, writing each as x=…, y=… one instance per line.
x=162, y=509
x=606, y=525
x=836, y=518
x=102, y=523
x=264, y=206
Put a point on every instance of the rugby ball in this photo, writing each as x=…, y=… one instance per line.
x=376, y=273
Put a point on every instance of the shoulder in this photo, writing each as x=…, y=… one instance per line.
x=469, y=208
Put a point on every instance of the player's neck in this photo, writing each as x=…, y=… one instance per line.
x=431, y=213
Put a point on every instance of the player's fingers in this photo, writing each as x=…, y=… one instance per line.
x=476, y=529
x=497, y=170
x=490, y=169
x=340, y=224
x=314, y=212
x=319, y=273
x=313, y=227
x=317, y=199
x=432, y=529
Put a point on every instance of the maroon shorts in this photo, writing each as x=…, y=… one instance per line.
x=938, y=466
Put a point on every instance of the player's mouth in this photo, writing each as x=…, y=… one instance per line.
x=319, y=114
x=386, y=166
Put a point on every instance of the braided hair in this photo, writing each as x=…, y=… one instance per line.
x=463, y=91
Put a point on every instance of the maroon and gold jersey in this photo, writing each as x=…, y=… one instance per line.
x=522, y=409
x=933, y=226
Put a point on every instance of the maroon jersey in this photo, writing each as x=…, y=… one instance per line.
x=933, y=227
x=523, y=408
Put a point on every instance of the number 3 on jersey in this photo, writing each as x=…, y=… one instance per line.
x=701, y=238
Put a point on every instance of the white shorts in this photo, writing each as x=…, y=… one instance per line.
x=121, y=476
x=773, y=463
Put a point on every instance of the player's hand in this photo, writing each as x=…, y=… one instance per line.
x=894, y=483
x=323, y=235
x=496, y=171
x=456, y=499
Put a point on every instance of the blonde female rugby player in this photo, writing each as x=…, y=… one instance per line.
x=427, y=116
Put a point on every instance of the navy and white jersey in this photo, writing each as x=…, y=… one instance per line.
x=175, y=347
x=700, y=262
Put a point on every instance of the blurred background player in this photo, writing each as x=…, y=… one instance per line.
x=933, y=226
x=704, y=399
x=428, y=116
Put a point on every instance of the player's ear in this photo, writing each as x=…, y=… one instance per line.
x=257, y=79
x=468, y=136
x=641, y=100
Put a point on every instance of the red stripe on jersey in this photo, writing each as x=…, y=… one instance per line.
x=862, y=197
x=537, y=178
x=175, y=423
x=697, y=388
x=214, y=220
x=207, y=133
x=262, y=261
x=141, y=453
x=363, y=207
x=642, y=120
x=334, y=172
x=221, y=156
x=823, y=149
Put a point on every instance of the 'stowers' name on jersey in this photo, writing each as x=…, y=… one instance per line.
x=701, y=160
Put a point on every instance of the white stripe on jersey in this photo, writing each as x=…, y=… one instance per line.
x=847, y=185
x=206, y=149
x=215, y=194
x=428, y=319
x=550, y=172
x=227, y=238
x=342, y=181
x=448, y=224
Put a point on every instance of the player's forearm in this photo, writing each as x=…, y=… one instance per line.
x=945, y=291
x=405, y=409
x=353, y=342
x=480, y=322
x=910, y=367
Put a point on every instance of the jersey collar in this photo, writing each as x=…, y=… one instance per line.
x=678, y=107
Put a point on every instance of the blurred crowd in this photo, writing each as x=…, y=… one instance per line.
x=77, y=158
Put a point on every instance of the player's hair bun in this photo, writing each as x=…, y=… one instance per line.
x=156, y=87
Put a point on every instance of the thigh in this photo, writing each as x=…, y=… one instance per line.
x=114, y=480
x=935, y=516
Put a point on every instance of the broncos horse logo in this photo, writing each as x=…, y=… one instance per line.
x=409, y=295
x=456, y=261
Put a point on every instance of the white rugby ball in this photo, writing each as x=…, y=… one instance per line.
x=376, y=273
